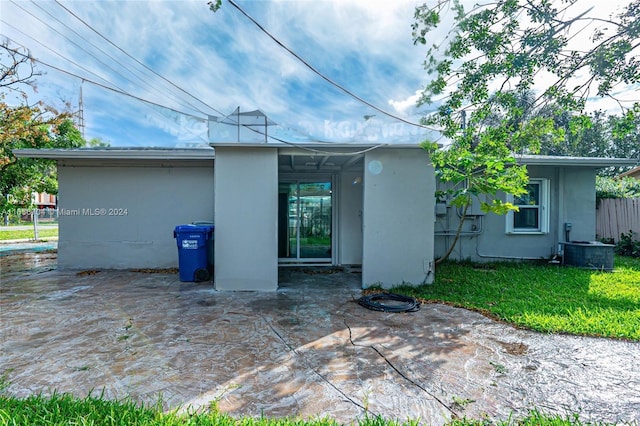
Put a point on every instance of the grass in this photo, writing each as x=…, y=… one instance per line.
x=65, y=409
x=543, y=297
x=27, y=234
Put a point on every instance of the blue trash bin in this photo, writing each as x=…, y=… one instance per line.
x=193, y=252
x=211, y=242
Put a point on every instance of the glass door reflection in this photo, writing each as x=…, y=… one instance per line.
x=308, y=221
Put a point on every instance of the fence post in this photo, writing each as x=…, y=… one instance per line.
x=35, y=224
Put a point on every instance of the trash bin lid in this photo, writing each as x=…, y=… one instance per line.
x=193, y=228
x=204, y=223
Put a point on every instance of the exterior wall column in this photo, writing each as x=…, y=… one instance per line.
x=399, y=215
x=246, y=218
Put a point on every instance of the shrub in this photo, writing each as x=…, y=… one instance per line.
x=627, y=246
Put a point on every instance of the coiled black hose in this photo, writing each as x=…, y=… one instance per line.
x=389, y=302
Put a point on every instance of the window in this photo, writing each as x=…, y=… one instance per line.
x=533, y=214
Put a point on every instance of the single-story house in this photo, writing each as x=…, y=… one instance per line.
x=272, y=205
x=560, y=207
x=276, y=205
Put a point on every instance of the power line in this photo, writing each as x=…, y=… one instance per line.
x=343, y=89
x=144, y=81
x=116, y=89
x=51, y=50
x=293, y=144
x=136, y=60
x=104, y=86
x=324, y=77
x=67, y=38
x=119, y=91
x=122, y=92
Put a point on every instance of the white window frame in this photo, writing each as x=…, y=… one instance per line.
x=543, y=212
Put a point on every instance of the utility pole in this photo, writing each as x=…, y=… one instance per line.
x=81, y=112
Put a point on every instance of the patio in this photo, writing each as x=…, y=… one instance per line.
x=306, y=350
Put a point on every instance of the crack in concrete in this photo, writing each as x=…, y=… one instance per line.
x=311, y=367
x=401, y=374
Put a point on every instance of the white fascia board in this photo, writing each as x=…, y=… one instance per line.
x=310, y=145
x=118, y=154
x=597, y=162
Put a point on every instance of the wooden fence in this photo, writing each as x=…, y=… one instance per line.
x=615, y=216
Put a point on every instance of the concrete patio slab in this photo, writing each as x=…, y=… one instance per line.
x=9, y=247
x=307, y=350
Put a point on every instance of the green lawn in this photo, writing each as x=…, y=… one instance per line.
x=27, y=234
x=64, y=409
x=542, y=297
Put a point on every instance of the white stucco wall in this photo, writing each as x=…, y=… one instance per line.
x=399, y=187
x=246, y=199
x=142, y=202
x=350, y=193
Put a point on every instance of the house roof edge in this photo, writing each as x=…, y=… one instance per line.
x=313, y=145
x=597, y=162
x=118, y=153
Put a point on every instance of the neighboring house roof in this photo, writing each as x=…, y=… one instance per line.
x=119, y=153
x=634, y=173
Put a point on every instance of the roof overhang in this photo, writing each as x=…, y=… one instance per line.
x=307, y=146
x=595, y=162
x=318, y=157
x=118, y=154
x=315, y=149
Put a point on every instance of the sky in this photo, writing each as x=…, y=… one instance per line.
x=174, y=74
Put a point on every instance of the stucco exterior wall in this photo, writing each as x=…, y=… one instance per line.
x=246, y=199
x=579, y=204
x=399, y=187
x=484, y=237
x=121, y=214
x=350, y=218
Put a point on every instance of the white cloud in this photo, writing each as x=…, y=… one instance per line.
x=403, y=106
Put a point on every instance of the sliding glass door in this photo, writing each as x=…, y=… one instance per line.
x=305, y=221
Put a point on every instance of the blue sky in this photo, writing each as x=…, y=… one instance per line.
x=223, y=61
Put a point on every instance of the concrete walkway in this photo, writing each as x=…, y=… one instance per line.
x=27, y=227
x=306, y=350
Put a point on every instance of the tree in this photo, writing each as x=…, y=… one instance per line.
x=20, y=178
x=613, y=136
x=26, y=126
x=625, y=135
x=493, y=56
x=97, y=143
x=17, y=69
